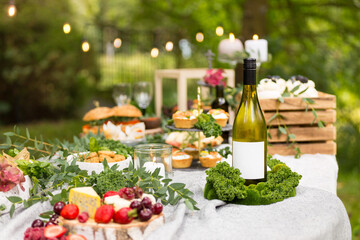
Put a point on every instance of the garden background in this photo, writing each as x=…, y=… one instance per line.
x=48, y=82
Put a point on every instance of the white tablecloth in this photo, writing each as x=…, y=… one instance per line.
x=315, y=213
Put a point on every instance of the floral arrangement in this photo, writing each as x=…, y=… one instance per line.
x=214, y=77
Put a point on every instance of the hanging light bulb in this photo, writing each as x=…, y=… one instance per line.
x=199, y=37
x=12, y=9
x=117, y=42
x=169, y=46
x=85, y=46
x=154, y=52
x=66, y=28
x=219, y=31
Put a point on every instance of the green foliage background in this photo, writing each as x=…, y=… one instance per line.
x=44, y=75
x=42, y=72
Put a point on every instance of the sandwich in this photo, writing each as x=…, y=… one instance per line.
x=95, y=118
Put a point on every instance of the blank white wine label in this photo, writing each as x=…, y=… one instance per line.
x=248, y=157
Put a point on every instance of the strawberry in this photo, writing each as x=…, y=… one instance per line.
x=70, y=211
x=104, y=214
x=110, y=193
x=75, y=237
x=54, y=231
x=125, y=215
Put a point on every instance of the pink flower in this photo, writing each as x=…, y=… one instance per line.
x=214, y=77
x=10, y=176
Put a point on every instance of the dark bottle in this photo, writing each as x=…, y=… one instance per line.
x=220, y=101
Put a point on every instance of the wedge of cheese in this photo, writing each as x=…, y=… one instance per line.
x=86, y=199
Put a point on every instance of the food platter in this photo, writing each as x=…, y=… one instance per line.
x=134, y=230
x=227, y=128
x=97, y=167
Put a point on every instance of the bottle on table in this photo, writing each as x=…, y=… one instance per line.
x=249, y=136
x=221, y=103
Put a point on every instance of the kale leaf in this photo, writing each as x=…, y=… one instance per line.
x=208, y=125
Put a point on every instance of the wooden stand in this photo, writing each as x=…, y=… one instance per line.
x=309, y=137
x=181, y=76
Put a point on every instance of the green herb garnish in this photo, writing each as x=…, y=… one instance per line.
x=208, y=125
x=225, y=183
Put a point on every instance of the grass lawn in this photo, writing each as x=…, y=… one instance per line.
x=348, y=190
x=348, y=182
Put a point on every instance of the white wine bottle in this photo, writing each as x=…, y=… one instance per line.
x=249, y=136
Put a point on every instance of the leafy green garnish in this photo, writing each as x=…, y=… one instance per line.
x=99, y=143
x=208, y=125
x=224, y=152
x=224, y=183
x=112, y=179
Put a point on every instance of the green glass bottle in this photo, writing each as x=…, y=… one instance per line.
x=249, y=137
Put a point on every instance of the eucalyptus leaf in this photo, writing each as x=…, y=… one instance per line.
x=282, y=130
x=14, y=199
x=12, y=210
x=27, y=133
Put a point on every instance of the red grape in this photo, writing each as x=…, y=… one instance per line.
x=138, y=191
x=58, y=207
x=157, y=208
x=37, y=223
x=136, y=204
x=146, y=202
x=145, y=214
x=128, y=194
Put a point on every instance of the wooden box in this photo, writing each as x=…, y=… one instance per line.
x=310, y=139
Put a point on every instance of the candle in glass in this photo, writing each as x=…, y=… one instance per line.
x=152, y=166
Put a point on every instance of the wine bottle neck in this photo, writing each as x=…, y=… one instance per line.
x=250, y=77
x=249, y=91
x=219, y=91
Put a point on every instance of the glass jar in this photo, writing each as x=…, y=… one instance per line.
x=153, y=156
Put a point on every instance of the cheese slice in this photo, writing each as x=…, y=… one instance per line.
x=86, y=199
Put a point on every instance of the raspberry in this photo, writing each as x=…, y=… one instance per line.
x=83, y=217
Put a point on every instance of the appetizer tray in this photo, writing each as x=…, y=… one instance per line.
x=227, y=128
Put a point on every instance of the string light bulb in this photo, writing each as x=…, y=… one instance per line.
x=199, y=37
x=154, y=52
x=12, y=9
x=85, y=46
x=169, y=46
x=219, y=31
x=117, y=43
x=66, y=28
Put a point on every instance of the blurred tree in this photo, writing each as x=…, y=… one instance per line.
x=43, y=72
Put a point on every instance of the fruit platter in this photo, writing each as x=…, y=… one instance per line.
x=125, y=214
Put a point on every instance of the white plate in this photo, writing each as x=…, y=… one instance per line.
x=97, y=167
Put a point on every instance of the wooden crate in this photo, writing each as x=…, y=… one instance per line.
x=309, y=137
